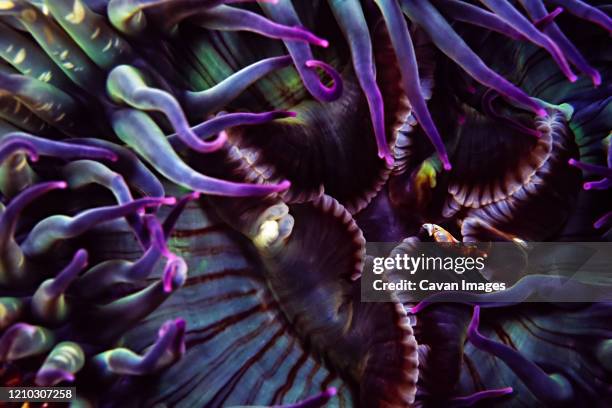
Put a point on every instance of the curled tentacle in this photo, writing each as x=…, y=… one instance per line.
x=174, y=273
x=175, y=269
x=126, y=84
x=336, y=87
x=488, y=108
x=284, y=13
x=141, y=133
x=83, y=172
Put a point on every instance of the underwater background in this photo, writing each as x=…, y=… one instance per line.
x=188, y=186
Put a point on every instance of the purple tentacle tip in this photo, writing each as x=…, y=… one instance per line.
x=168, y=200
x=385, y=154
x=599, y=184
x=418, y=307
x=313, y=39
x=541, y=112
x=603, y=220
x=283, y=185
x=446, y=162
x=596, y=78
x=62, y=185
x=175, y=273
x=13, y=146
x=52, y=376
x=180, y=323
x=547, y=19
x=606, y=172
x=176, y=329
x=69, y=273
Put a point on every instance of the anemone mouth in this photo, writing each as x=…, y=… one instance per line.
x=328, y=148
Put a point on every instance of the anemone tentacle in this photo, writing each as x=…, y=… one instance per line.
x=352, y=22
x=602, y=184
x=549, y=388
x=285, y=13
x=142, y=134
x=126, y=84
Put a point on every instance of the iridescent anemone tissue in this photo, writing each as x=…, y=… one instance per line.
x=188, y=186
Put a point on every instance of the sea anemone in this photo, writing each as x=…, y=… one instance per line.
x=185, y=208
